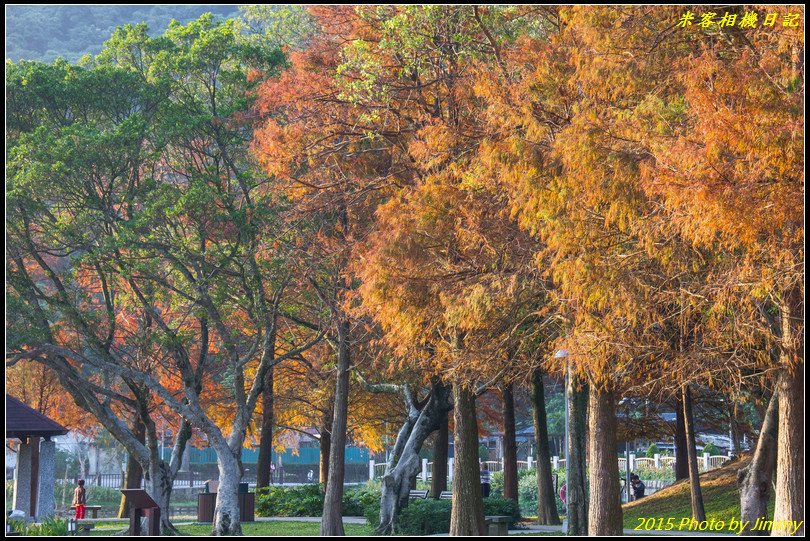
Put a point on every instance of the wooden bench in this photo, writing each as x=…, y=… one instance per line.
x=446, y=495
x=497, y=524
x=92, y=508
x=418, y=494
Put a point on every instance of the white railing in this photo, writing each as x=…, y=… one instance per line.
x=658, y=462
x=494, y=465
x=376, y=469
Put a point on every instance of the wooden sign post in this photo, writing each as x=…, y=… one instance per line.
x=142, y=505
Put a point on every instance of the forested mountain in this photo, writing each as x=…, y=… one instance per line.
x=45, y=33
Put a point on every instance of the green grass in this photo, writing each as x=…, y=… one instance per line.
x=721, y=499
x=248, y=528
x=278, y=528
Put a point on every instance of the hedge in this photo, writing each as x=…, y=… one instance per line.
x=307, y=500
x=427, y=517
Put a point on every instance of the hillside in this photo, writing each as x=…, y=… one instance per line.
x=721, y=498
x=40, y=32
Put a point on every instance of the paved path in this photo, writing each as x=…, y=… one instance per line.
x=534, y=528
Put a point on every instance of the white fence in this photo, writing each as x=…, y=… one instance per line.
x=705, y=463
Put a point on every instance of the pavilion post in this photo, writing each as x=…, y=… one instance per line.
x=22, y=479
x=47, y=477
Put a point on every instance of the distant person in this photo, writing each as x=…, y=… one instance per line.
x=80, y=499
x=310, y=476
x=272, y=472
x=638, y=487
x=486, y=480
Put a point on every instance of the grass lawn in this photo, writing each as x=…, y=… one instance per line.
x=721, y=499
x=278, y=528
x=248, y=528
x=264, y=528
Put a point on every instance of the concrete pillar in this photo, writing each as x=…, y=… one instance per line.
x=706, y=461
x=22, y=479
x=424, y=469
x=555, y=462
x=632, y=461
x=529, y=462
x=657, y=460
x=47, y=477
x=370, y=470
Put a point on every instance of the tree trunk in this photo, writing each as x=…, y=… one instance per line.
x=576, y=491
x=159, y=488
x=441, y=445
x=789, y=502
x=754, y=480
x=546, y=500
x=134, y=473
x=405, y=464
x=325, y=443
x=698, y=511
x=268, y=420
x=467, y=517
x=789, y=505
x=226, y=512
x=510, y=469
x=605, y=510
x=681, y=453
x=332, y=518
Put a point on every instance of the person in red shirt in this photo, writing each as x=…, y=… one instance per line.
x=80, y=499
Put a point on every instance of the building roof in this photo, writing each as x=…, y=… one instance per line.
x=23, y=421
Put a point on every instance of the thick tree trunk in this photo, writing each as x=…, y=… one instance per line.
x=576, y=491
x=754, y=480
x=226, y=512
x=510, y=470
x=134, y=473
x=605, y=510
x=405, y=464
x=332, y=518
x=698, y=511
x=467, y=517
x=789, y=504
x=546, y=500
x=159, y=488
x=268, y=420
x=681, y=453
x=441, y=446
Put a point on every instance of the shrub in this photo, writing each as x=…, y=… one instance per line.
x=372, y=513
x=357, y=499
x=652, y=450
x=307, y=500
x=655, y=474
x=711, y=449
x=49, y=527
x=496, y=484
x=425, y=517
x=483, y=452
x=280, y=501
x=503, y=507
